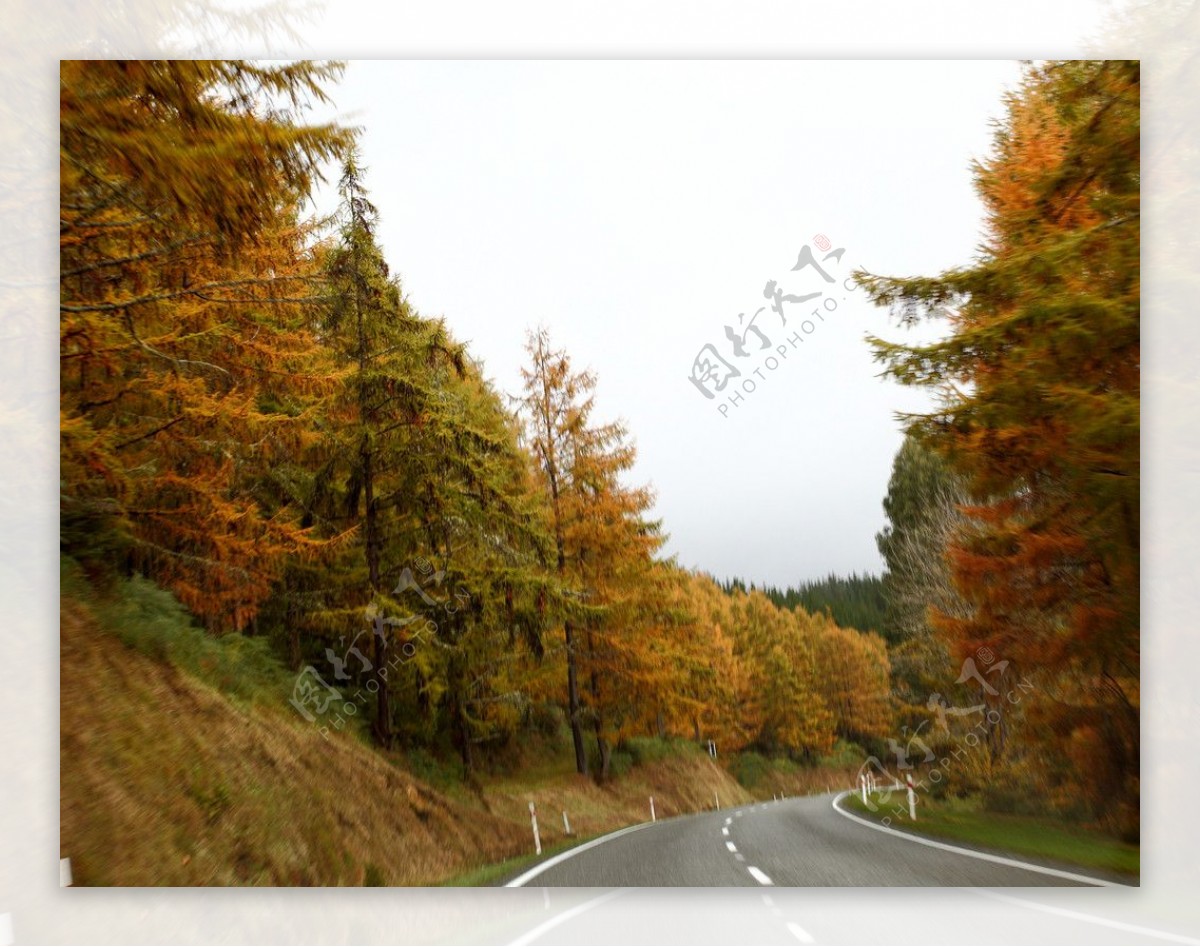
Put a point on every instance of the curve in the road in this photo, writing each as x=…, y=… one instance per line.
x=972, y=853
x=799, y=842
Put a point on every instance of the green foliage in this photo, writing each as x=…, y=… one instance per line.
x=854, y=601
x=619, y=763
x=437, y=772
x=844, y=753
x=965, y=820
x=648, y=749
x=151, y=620
x=1037, y=386
x=750, y=768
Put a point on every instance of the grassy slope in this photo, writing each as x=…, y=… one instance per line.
x=1026, y=835
x=166, y=780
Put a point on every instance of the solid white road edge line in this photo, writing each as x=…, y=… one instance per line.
x=982, y=856
x=521, y=880
x=549, y=925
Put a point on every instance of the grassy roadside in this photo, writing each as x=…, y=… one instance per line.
x=501, y=872
x=964, y=821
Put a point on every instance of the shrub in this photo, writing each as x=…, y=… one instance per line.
x=152, y=621
x=749, y=768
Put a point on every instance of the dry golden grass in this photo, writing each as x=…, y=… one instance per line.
x=680, y=785
x=166, y=781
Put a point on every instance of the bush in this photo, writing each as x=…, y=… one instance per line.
x=152, y=621
x=844, y=753
x=749, y=768
x=619, y=763
x=438, y=773
x=648, y=749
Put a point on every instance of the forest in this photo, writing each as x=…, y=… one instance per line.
x=256, y=420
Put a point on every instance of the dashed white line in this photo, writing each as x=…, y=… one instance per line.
x=738, y=814
x=767, y=900
x=740, y=857
x=731, y=846
x=759, y=876
x=724, y=830
x=799, y=933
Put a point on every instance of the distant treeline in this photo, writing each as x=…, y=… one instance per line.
x=853, y=601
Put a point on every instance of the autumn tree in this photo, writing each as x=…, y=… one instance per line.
x=780, y=703
x=852, y=677
x=603, y=537
x=923, y=509
x=1039, y=388
x=186, y=288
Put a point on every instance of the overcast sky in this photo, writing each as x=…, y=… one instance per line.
x=637, y=208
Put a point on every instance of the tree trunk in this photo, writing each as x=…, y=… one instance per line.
x=605, y=755
x=383, y=706
x=293, y=636
x=463, y=738
x=581, y=760
x=598, y=726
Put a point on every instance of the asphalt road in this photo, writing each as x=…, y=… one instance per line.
x=794, y=842
x=781, y=851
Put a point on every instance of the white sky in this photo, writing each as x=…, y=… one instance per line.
x=635, y=208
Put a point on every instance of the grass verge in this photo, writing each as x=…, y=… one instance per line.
x=501, y=872
x=965, y=821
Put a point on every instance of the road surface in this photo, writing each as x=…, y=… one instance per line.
x=795, y=842
x=760, y=851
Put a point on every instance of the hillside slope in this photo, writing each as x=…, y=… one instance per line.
x=167, y=781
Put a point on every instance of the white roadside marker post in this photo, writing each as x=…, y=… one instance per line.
x=566, y=823
x=653, y=818
x=537, y=839
x=716, y=800
x=862, y=781
x=912, y=798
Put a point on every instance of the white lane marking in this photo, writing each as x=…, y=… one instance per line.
x=738, y=814
x=799, y=933
x=759, y=876
x=982, y=856
x=521, y=880
x=549, y=925
x=724, y=830
x=731, y=846
x=729, y=821
x=740, y=857
x=767, y=900
x=1081, y=916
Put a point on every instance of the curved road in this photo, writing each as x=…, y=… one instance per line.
x=795, y=842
